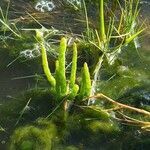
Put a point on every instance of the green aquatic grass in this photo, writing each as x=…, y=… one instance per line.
x=6, y=24
x=87, y=20
x=113, y=35
x=102, y=22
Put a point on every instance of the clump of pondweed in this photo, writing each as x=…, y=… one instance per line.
x=88, y=130
x=42, y=134
x=38, y=136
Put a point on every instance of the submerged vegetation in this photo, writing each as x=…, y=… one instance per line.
x=85, y=90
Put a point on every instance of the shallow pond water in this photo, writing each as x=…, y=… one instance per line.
x=24, y=92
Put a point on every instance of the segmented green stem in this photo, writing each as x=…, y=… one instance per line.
x=73, y=87
x=74, y=66
x=58, y=87
x=85, y=87
x=46, y=69
x=102, y=21
x=60, y=73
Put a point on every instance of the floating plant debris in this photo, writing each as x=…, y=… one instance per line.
x=44, y=6
x=30, y=53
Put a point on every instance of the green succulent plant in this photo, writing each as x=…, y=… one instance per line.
x=58, y=82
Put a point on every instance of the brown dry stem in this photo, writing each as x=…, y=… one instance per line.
x=120, y=105
x=124, y=119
